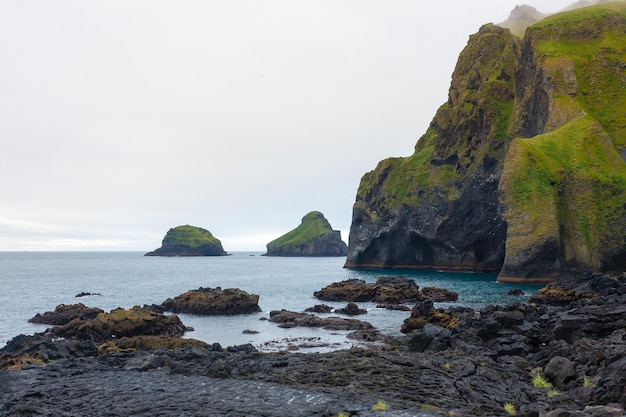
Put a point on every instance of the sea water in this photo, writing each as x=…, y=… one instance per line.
x=36, y=282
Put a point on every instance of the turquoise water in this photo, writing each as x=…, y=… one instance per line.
x=35, y=282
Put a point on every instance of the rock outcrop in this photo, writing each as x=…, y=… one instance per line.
x=63, y=314
x=386, y=290
x=520, y=172
x=213, y=301
x=313, y=237
x=189, y=241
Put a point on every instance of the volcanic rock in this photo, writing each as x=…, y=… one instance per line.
x=351, y=309
x=386, y=290
x=289, y=319
x=119, y=323
x=63, y=314
x=213, y=301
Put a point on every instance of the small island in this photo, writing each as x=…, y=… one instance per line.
x=189, y=241
x=313, y=237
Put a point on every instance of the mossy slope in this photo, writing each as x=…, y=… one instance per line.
x=189, y=241
x=313, y=237
x=564, y=189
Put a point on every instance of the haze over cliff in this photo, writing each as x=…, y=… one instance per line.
x=520, y=171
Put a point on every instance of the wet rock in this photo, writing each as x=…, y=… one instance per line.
x=423, y=313
x=516, y=292
x=386, y=290
x=351, y=309
x=319, y=308
x=439, y=294
x=560, y=370
x=214, y=301
x=430, y=337
x=293, y=319
x=121, y=323
x=559, y=296
x=150, y=343
x=63, y=314
x=398, y=307
x=86, y=294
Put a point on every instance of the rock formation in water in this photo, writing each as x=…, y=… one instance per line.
x=313, y=237
x=213, y=301
x=523, y=170
x=189, y=241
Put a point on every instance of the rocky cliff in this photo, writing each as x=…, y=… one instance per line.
x=313, y=237
x=189, y=241
x=520, y=171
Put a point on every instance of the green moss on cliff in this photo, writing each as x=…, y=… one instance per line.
x=570, y=185
x=470, y=127
x=313, y=237
x=595, y=41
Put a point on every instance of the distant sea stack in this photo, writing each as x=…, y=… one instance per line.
x=523, y=170
x=189, y=241
x=313, y=237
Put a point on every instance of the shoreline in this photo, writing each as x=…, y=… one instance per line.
x=476, y=364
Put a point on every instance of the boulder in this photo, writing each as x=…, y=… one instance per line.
x=63, y=314
x=319, y=308
x=289, y=319
x=439, y=294
x=189, y=241
x=121, y=323
x=424, y=313
x=351, y=309
x=313, y=237
x=213, y=301
x=386, y=290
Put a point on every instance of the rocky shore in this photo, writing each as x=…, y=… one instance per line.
x=530, y=360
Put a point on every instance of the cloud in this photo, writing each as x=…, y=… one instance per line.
x=122, y=119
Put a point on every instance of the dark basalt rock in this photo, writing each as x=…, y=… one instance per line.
x=351, y=309
x=63, y=314
x=289, y=319
x=214, y=301
x=424, y=313
x=319, y=308
x=386, y=290
x=120, y=323
x=439, y=294
x=86, y=294
x=398, y=307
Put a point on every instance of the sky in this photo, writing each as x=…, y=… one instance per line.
x=121, y=119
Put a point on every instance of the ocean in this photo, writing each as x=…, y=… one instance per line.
x=36, y=282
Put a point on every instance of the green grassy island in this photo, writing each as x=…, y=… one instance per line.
x=313, y=237
x=189, y=241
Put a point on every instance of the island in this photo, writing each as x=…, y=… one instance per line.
x=313, y=237
x=189, y=241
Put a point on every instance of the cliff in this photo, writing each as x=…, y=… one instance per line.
x=520, y=171
x=313, y=237
x=189, y=241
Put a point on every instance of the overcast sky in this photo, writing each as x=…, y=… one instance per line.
x=121, y=119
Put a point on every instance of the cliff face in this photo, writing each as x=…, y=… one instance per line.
x=189, y=241
x=520, y=170
x=313, y=237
